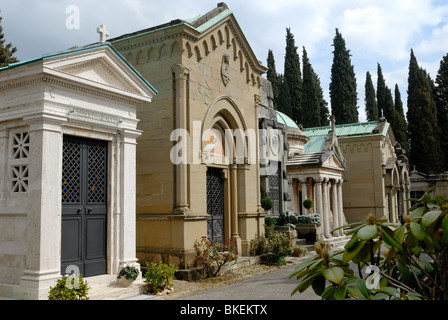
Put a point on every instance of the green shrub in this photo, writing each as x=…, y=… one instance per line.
x=413, y=266
x=270, y=221
x=69, y=287
x=308, y=204
x=129, y=273
x=267, y=203
x=272, y=247
x=159, y=276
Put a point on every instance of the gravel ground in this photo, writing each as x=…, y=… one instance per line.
x=184, y=288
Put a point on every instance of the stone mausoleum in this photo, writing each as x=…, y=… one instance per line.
x=197, y=158
x=68, y=130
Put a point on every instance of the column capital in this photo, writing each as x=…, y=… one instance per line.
x=180, y=71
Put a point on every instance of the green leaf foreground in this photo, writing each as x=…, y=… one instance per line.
x=410, y=259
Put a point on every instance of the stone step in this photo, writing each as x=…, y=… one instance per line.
x=301, y=242
x=105, y=287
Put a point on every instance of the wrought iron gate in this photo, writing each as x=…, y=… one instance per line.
x=215, y=204
x=274, y=189
x=84, y=205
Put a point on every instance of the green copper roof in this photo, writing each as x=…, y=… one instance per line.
x=318, y=135
x=80, y=49
x=351, y=129
x=287, y=121
x=315, y=144
x=210, y=22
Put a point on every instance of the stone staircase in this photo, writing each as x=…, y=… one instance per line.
x=105, y=287
x=335, y=242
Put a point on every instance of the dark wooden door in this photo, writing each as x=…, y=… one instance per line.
x=84, y=206
x=215, y=204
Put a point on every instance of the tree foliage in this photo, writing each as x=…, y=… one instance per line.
x=423, y=130
x=441, y=98
x=395, y=261
x=401, y=126
x=370, y=99
x=7, y=51
x=311, y=106
x=273, y=77
x=293, y=78
x=343, y=95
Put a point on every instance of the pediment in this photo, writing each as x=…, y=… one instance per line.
x=100, y=71
x=100, y=67
x=333, y=162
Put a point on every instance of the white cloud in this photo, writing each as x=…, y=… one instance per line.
x=389, y=28
x=376, y=31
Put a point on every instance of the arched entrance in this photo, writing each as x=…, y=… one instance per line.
x=225, y=148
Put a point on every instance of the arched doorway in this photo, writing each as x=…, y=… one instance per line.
x=224, y=151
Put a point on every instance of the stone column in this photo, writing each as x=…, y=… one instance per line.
x=325, y=206
x=257, y=100
x=395, y=203
x=335, y=207
x=319, y=203
x=42, y=240
x=234, y=205
x=127, y=181
x=407, y=196
x=304, y=194
x=390, y=204
x=181, y=96
x=341, y=207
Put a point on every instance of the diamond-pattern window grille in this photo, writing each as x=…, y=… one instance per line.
x=19, y=179
x=215, y=204
x=97, y=173
x=274, y=189
x=71, y=173
x=21, y=145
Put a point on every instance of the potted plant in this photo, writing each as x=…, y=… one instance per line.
x=267, y=203
x=308, y=204
x=127, y=275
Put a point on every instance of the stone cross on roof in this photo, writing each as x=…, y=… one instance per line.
x=103, y=33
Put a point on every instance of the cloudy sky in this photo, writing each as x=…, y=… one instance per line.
x=375, y=31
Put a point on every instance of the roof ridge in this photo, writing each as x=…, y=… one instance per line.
x=201, y=19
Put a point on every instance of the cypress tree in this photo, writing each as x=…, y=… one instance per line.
x=343, y=95
x=284, y=99
x=273, y=77
x=441, y=97
x=425, y=151
x=370, y=99
x=401, y=127
x=389, y=108
x=6, y=50
x=381, y=93
x=293, y=77
x=311, y=107
x=323, y=104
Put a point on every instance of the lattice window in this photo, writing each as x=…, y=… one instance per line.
x=19, y=179
x=97, y=173
x=71, y=173
x=20, y=145
x=19, y=160
x=215, y=204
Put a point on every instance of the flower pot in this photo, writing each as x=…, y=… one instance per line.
x=124, y=282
